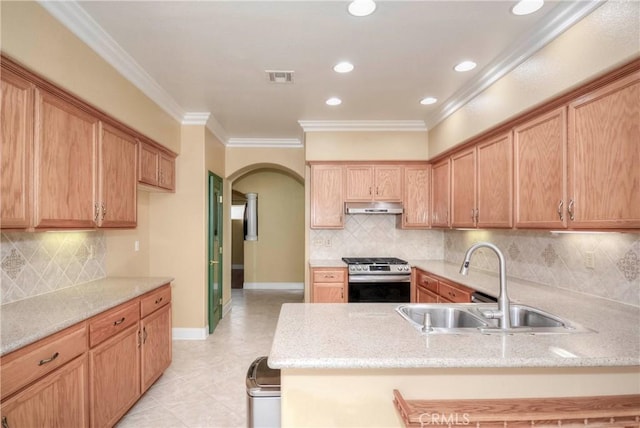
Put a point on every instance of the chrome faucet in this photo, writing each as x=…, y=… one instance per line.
x=503, y=299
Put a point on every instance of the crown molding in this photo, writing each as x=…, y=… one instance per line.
x=362, y=125
x=195, y=118
x=80, y=23
x=519, y=52
x=265, y=142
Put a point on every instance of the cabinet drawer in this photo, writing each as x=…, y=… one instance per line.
x=328, y=275
x=427, y=282
x=455, y=294
x=27, y=364
x=112, y=322
x=155, y=300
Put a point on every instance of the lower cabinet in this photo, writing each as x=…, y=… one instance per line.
x=57, y=400
x=114, y=377
x=90, y=374
x=156, y=345
x=432, y=289
x=329, y=285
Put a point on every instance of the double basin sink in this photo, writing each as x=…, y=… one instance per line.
x=462, y=318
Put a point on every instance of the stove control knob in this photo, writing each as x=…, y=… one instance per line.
x=358, y=267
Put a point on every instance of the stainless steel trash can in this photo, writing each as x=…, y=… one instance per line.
x=263, y=395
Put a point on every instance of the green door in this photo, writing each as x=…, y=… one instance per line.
x=215, y=251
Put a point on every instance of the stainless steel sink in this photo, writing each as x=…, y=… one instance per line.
x=469, y=318
x=441, y=318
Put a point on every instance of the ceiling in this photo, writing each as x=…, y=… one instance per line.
x=211, y=56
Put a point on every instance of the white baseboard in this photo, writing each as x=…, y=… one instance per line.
x=273, y=286
x=190, y=333
x=226, y=308
x=237, y=266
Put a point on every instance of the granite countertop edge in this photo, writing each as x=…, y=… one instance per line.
x=26, y=321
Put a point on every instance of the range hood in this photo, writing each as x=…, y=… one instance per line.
x=373, y=208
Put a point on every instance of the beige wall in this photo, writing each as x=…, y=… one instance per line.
x=240, y=160
x=354, y=145
x=364, y=398
x=278, y=254
x=608, y=37
x=38, y=41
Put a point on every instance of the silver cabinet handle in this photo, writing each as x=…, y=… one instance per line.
x=104, y=211
x=560, y=210
x=570, y=210
x=473, y=214
x=48, y=360
x=477, y=214
x=5, y=422
x=144, y=335
x=96, y=212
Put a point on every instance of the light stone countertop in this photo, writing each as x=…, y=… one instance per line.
x=338, y=263
x=373, y=335
x=29, y=320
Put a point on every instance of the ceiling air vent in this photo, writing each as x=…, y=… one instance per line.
x=280, y=76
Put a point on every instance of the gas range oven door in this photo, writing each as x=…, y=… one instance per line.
x=379, y=288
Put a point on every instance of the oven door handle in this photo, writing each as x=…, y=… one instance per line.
x=379, y=278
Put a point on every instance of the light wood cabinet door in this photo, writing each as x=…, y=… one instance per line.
x=155, y=354
x=57, y=400
x=440, y=194
x=373, y=183
x=540, y=147
x=327, y=190
x=388, y=183
x=167, y=172
x=65, y=164
x=463, y=189
x=425, y=296
x=604, y=157
x=328, y=293
x=16, y=141
x=117, y=182
x=114, y=377
x=360, y=183
x=417, y=180
x=148, y=164
x=495, y=182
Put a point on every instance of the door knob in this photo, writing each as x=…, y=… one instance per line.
x=213, y=262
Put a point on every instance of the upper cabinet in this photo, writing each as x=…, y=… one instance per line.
x=540, y=147
x=481, y=184
x=327, y=196
x=156, y=167
x=416, y=183
x=604, y=157
x=65, y=165
x=440, y=193
x=117, y=178
x=373, y=183
x=16, y=143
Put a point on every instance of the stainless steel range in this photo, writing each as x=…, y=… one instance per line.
x=378, y=279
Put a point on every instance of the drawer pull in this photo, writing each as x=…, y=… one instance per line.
x=158, y=301
x=120, y=321
x=42, y=363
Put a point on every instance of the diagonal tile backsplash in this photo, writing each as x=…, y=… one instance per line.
x=559, y=260
x=37, y=263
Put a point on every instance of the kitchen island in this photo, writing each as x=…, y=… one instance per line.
x=340, y=363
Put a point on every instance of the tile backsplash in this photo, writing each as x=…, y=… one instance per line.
x=38, y=263
x=370, y=235
x=559, y=260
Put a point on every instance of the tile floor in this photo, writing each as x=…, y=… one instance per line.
x=205, y=384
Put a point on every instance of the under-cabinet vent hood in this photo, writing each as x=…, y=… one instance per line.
x=373, y=208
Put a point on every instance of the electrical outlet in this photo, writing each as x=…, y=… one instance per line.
x=318, y=242
x=590, y=260
x=327, y=242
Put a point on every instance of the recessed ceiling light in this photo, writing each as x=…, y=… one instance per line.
x=465, y=66
x=362, y=7
x=343, y=67
x=428, y=100
x=333, y=101
x=525, y=7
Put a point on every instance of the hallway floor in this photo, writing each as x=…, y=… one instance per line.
x=205, y=384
